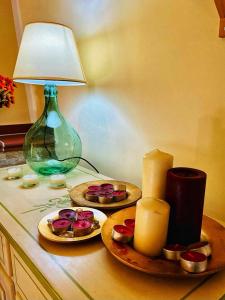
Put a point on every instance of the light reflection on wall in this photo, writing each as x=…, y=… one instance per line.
x=99, y=14
x=99, y=120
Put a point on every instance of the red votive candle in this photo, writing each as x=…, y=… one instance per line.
x=201, y=247
x=185, y=190
x=173, y=252
x=193, y=262
x=121, y=233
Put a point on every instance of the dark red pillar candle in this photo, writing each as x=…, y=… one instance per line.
x=185, y=190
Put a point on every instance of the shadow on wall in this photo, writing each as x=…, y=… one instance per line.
x=211, y=156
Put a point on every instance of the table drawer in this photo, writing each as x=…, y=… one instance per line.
x=26, y=283
x=5, y=258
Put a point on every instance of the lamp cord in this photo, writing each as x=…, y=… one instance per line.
x=88, y=162
x=56, y=158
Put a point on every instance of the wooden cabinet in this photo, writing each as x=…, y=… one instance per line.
x=5, y=259
x=18, y=296
x=26, y=284
x=2, y=293
x=17, y=282
x=7, y=290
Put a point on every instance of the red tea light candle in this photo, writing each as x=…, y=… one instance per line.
x=106, y=186
x=60, y=226
x=121, y=233
x=185, y=190
x=201, y=247
x=94, y=188
x=173, y=252
x=85, y=215
x=193, y=262
x=81, y=227
x=105, y=198
x=119, y=195
x=92, y=196
x=130, y=223
x=67, y=214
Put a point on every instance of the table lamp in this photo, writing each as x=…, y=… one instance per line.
x=48, y=56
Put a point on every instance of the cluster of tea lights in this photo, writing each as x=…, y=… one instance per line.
x=31, y=180
x=193, y=258
x=106, y=193
x=169, y=216
x=73, y=223
x=28, y=180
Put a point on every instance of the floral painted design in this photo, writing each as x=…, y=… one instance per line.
x=59, y=202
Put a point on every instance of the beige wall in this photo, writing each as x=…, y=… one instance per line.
x=17, y=113
x=156, y=79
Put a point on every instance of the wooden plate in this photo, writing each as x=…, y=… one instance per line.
x=46, y=232
x=77, y=195
x=213, y=231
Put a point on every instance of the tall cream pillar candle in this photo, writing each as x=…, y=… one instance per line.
x=155, y=166
x=151, y=225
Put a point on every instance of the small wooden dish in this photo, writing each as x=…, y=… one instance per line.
x=77, y=194
x=126, y=254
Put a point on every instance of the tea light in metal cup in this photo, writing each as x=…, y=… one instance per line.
x=119, y=187
x=173, y=252
x=30, y=180
x=121, y=233
x=57, y=181
x=85, y=215
x=130, y=223
x=106, y=186
x=105, y=198
x=193, y=262
x=119, y=195
x=67, y=213
x=201, y=247
x=14, y=173
x=60, y=226
x=92, y=196
x=81, y=227
x=94, y=188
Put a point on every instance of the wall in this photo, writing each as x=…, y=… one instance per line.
x=17, y=113
x=156, y=80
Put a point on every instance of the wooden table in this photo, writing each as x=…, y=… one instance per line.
x=77, y=271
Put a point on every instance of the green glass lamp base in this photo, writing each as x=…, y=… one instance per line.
x=51, y=167
x=51, y=145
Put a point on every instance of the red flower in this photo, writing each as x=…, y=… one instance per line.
x=6, y=91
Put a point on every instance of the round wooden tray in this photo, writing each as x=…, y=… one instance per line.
x=46, y=232
x=213, y=231
x=77, y=195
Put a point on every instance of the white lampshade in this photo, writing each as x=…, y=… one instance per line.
x=48, y=55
